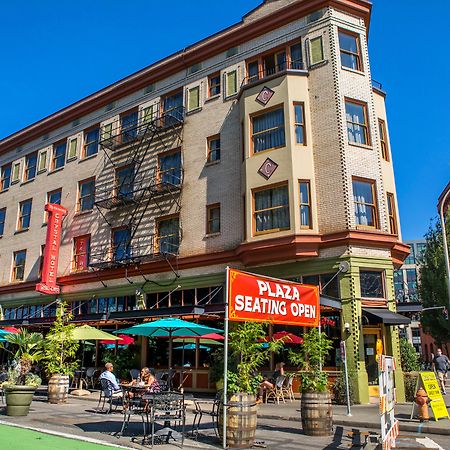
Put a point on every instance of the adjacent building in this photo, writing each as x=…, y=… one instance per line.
x=264, y=147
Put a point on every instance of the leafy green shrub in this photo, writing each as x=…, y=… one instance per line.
x=340, y=392
x=410, y=360
x=410, y=382
x=123, y=361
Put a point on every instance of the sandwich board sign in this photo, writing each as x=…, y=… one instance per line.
x=389, y=424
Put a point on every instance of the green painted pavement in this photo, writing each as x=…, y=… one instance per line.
x=23, y=439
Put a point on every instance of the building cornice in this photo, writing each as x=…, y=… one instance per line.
x=213, y=45
x=283, y=249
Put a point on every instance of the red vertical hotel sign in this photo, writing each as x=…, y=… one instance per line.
x=56, y=214
x=255, y=298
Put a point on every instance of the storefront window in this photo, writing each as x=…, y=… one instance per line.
x=371, y=283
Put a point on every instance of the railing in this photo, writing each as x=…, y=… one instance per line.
x=116, y=134
x=138, y=250
x=267, y=72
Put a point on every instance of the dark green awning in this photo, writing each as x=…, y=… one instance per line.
x=382, y=315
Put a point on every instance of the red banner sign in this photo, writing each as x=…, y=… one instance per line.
x=255, y=298
x=56, y=214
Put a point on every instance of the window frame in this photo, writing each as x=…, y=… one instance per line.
x=127, y=251
x=3, y=178
x=55, y=157
x=211, y=77
x=190, y=92
x=365, y=126
x=86, y=143
x=383, y=284
x=2, y=221
x=311, y=62
x=357, y=55
x=129, y=134
x=26, y=171
x=254, y=211
x=383, y=139
x=157, y=230
x=261, y=113
x=301, y=125
x=42, y=157
x=229, y=94
x=20, y=216
x=14, y=267
x=210, y=220
x=374, y=205
x=160, y=173
x=69, y=156
x=308, y=205
x=15, y=171
x=79, y=198
x=392, y=213
x=209, y=151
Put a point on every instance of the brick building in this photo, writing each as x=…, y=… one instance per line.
x=264, y=147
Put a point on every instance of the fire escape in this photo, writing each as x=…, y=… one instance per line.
x=141, y=180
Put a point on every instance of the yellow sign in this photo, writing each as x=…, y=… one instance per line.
x=431, y=386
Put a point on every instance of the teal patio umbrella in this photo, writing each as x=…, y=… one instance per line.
x=191, y=347
x=169, y=328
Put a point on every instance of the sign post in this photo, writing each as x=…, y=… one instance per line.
x=344, y=360
x=48, y=284
x=428, y=381
x=256, y=298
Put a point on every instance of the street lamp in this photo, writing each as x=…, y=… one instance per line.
x=443, y=203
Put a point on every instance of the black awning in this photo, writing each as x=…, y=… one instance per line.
x=330, y=302
x=409, y=307
x=381, y=315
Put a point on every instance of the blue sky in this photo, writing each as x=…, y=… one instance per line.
x=56, y=52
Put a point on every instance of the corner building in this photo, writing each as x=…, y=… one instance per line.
x=264, y=147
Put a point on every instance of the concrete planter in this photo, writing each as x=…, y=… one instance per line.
x=18, y=399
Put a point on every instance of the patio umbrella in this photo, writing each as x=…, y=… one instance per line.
x=11, y=329
x=288, y=338
x=4, y=333
x=170, y=328
x=191, y=347
x=200, y=339
x=123, y=340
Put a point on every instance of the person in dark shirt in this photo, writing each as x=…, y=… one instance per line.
x=441, y=365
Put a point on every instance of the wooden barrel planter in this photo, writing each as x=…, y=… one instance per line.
x=317, y=415
x=58, y=389
x=241, y=421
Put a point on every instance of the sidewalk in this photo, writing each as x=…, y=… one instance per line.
x=363, y=416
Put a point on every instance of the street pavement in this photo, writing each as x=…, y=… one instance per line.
x=279, y=426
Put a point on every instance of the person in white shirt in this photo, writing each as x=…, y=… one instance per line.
x=108, y=375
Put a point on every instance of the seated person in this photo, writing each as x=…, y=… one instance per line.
x=151, y=381
x=270, y=384
x=108, y=375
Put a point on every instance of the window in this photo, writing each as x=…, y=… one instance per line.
x=316, y=50
x=81, y=251
x=271, y=209
x=173, y=108
x=411, y=279
x=392, y=214
x=300, y=135
x=170, y=168
x=213, y=219
x=275, y=62
x=54, y=197
x=231, y=83
x=15, y=172
x=168, y=235
x=268, y=130
x=59, y=155
x=213, y=148
x=371, y=284
x=2, y=220
x=253, y=71
x=41, y=261
x=383, y=139
x=18, y=269
x=121, y=244
x=42, y=161
x=305, y=204
x=86, y=194
x=398, y=285
x=5, y=177
x=30, y=166
x=148, y=114
x=411, y=258
x=296, y=56
x=24, y=218
x=194, y=98
x=357, y=124
x=128, y=126
x=214, y=85
x=91, y=142
x=364, y=198
x=125, y=182
x=72, y=149
x=350, y=50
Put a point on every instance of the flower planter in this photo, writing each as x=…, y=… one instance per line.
x=317, y=414
x=58, y=389
x=18, y=399
x=241, y=421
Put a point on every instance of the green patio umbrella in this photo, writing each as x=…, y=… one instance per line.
x=170, y=328
x=201, y=340
x=191, y=347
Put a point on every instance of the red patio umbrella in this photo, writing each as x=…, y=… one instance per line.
x=11, y=329
x=288, y=338
x=124, y=340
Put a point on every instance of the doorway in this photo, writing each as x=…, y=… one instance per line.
x=371, y=337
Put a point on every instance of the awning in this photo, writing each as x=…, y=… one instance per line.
x=330, y=302
x=381, y=315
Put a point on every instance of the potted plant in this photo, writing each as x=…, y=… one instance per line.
x=248, y=353
x=21, y=384
x=317, y=417
x=59, y=357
